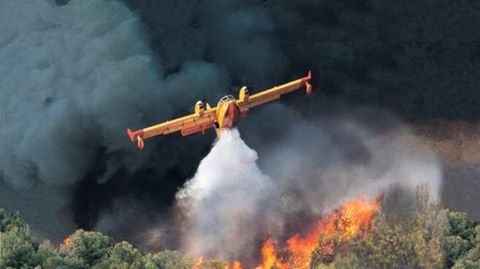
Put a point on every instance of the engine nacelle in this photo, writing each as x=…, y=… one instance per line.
x=243, y=95
x=199, y=108
x=308, y=88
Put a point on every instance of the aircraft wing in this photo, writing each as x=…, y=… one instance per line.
x=275, y=93
x=196, y=122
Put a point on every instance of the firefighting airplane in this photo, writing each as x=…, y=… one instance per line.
x=225, y=115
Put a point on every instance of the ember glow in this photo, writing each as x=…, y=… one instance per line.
x=235, y=265
x=198, y=263
x=351, y=218
x=66, y=241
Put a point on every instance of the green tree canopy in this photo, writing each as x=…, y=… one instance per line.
x=89, y=247
x=17, y=249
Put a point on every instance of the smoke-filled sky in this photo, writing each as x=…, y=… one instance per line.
x=74, y=74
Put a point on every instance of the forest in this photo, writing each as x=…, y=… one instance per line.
x=427, y=237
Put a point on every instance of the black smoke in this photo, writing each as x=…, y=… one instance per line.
x=88, y=70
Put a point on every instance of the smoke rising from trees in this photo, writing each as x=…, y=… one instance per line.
x=74, y=76
x=231, y=205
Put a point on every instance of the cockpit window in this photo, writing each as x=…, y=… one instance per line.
x=225, y=99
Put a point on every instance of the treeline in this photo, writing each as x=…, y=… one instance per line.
x=430, y=238
x=82, y=249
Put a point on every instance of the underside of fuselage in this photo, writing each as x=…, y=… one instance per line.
x=228, y=115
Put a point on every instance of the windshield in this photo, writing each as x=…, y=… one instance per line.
x=225, y=99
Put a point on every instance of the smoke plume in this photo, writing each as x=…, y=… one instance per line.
x=74, y=76
x=231, y=204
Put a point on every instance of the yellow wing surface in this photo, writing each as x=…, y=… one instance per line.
x=274, y=93
x=203, y=119
x=196, y=122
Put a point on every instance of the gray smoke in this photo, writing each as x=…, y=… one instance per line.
x=73, y=77
x=231, y=204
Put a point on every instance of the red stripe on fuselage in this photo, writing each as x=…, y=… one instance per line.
x=232, y=115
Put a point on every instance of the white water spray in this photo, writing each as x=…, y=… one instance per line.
x=225, y=200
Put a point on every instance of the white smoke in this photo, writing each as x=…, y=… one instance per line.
x=333, y=160
x=231, y=204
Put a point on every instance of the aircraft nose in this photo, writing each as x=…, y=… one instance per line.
x=233, y=114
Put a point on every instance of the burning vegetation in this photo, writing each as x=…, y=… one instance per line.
x=352, y=218
x=355, y=235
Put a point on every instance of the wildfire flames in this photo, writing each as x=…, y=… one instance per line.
x=350, y=219
x=198, y=263
x=66, y=241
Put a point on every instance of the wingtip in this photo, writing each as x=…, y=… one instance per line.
x=309, y=76
x=131, y=134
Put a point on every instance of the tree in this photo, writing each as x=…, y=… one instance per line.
x=122, y=256
x=51, y=257
x=460, y=237
x=412, y=242
x=87, y=247
x=9, y=220
x=167, y=259
x=472, y=259
x=17, y=249
x=347, y=261
x=460, y=224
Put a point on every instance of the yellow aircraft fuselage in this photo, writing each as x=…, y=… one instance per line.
x=225, y=115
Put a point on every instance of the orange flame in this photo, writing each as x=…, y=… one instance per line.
x=351, y=218
x=235, y=265
x=198, y=263
x=66, y=241
x=269, y=257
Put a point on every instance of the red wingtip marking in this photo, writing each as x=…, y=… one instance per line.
x=134, y=134
x=131, y=134
x=309, y=76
